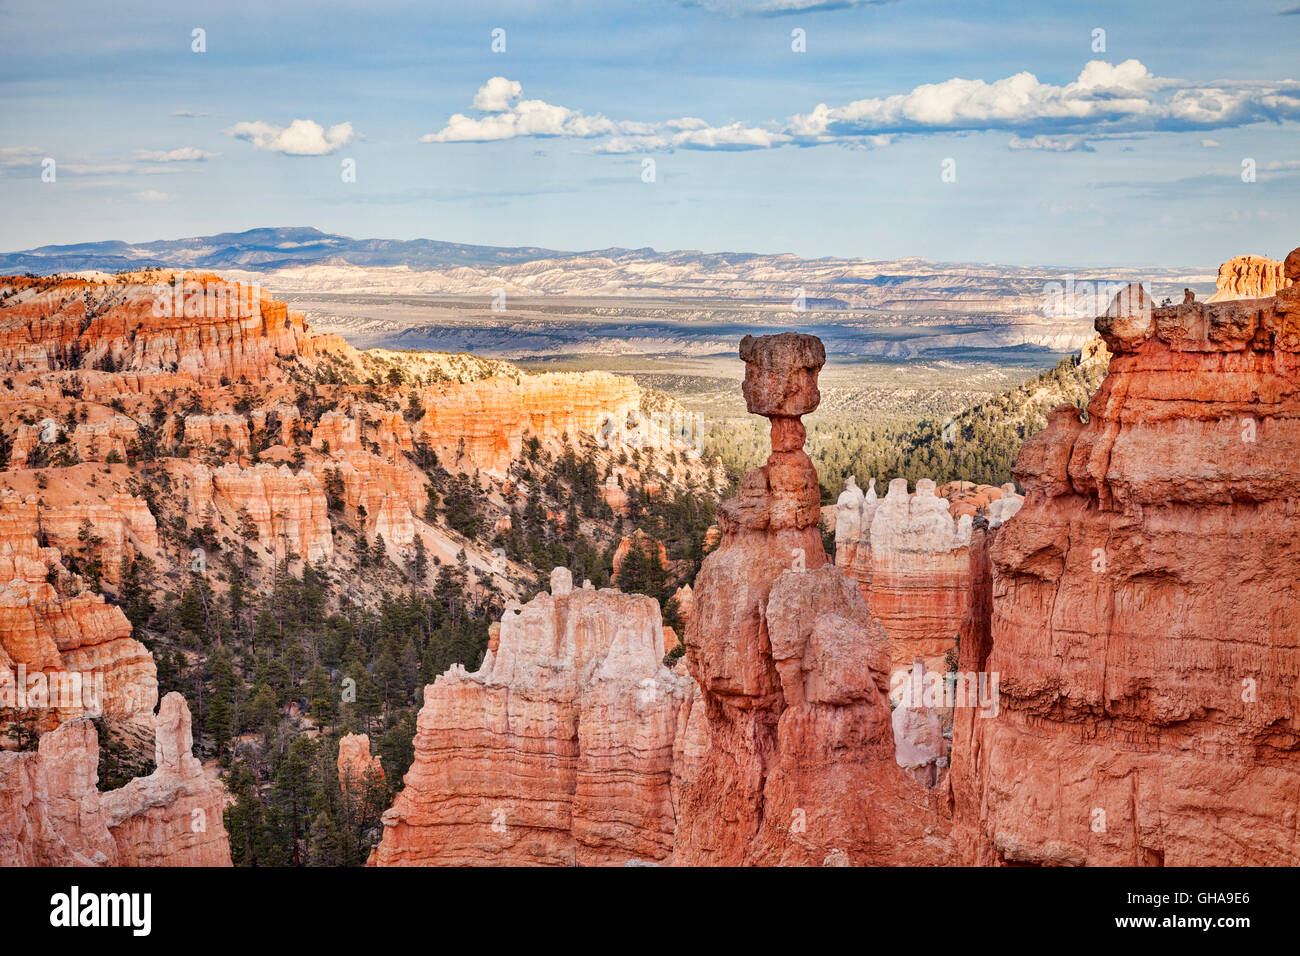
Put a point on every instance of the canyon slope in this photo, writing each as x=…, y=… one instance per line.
x=146, y=413
x=176, y=448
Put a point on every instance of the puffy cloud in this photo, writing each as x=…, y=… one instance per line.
x=734, y=136
x=300, y=138
x=497, y=94
x=505, y=117
x=1105, y=100
x=184, y=154
x=1106, y=97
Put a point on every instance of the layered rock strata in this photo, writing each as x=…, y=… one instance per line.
x=52, y=814
x=909, y=555
x=1142, y=605
x=557, y=751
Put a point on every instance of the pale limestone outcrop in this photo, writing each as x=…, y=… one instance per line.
x=918, y=731
x=908, y=553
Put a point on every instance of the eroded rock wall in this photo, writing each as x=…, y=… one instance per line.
x=1143, y=607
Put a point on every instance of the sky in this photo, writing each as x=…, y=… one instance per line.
x=1155, y=133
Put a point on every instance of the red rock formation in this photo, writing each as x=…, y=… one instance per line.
x=173, y=817
x=482, y=424
x=203, y=432
x=792, y=671
x=558, y=750
x=355, y=762
x=1249, y=277
x=195, y=324
x=909, y=555
x=1143, y=607
x=51, y=813
x=288, y=510
x=62, y=639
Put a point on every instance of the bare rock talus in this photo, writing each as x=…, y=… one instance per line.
x=1142, y=608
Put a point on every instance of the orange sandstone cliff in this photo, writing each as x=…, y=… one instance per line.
x=51, y=813
x=1140, y=609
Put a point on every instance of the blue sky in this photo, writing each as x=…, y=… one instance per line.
x=1063, y=154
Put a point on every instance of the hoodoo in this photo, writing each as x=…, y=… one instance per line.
x=1140, y=610
x=792, y=670
x=558, y=750
x=51, y=813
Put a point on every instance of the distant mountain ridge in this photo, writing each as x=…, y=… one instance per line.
x=266, y=248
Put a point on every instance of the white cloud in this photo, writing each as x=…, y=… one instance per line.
x=505, y=119
x=1105, y=100
x=300, y=138
x=188, y=114
x=183, y=154
x=733, y=136
x=1106, y=97
x=20, y=155
x=496, y=95
x=1210, y=143
x=152, y=195
x=1051, y=144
